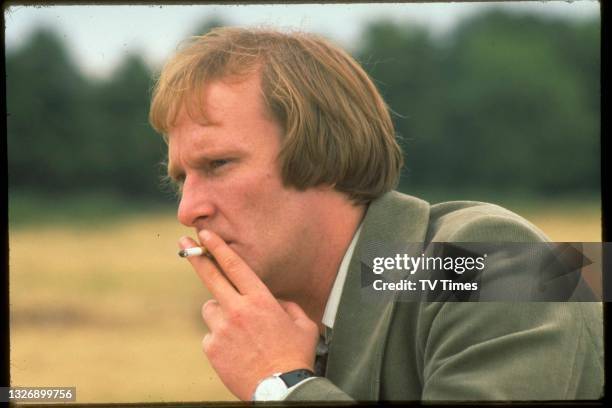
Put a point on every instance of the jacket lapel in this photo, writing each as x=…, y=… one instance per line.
x=361, y=325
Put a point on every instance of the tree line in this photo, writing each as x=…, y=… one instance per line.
x=504, y=102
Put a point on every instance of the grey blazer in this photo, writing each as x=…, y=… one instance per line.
x=382, y=349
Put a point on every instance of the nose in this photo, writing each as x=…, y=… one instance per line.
x=195, y=203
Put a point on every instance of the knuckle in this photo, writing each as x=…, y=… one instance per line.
x=223, y=329
x=207, y=344
x=226, y=331
x=207, y=307
x=216, y=279
x=294, y=306
x=231, y=261
x=235, y=316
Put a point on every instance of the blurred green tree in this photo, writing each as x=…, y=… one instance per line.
x=128, y=150
x=46, y=115
x=70, y=134
x=504, y=102
x=405, y=65
x=525, y=114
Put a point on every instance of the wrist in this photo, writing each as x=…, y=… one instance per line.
x=278, y=385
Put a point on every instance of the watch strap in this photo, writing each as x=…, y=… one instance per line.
x=294, y=377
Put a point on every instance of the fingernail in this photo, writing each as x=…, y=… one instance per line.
x=184, y=242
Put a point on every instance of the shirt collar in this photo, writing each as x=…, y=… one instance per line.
x=331, y=308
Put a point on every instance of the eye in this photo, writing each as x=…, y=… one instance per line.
x=215, y=164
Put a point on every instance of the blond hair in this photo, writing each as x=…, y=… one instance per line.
x=337, y=128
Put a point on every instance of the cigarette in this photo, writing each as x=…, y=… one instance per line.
x=195, y=251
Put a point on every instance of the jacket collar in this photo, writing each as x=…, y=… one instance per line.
x=360, y=330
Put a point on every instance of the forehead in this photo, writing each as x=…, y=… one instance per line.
x=228, y=112
x=221, y=101
x=224, y=97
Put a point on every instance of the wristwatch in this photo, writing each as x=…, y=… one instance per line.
x=277, y=386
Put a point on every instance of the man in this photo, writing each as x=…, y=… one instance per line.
x=286, y=159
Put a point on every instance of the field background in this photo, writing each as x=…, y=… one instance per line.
x=108, y=307
x=104, y=304
x=503, y=106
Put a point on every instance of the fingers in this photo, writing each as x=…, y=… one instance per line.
x=300, y=318
x=212, y=314
x=237, y=271
x=217, y=284
x=206, y=342
x=294, y=311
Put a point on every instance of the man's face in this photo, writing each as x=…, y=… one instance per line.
x=231, y=182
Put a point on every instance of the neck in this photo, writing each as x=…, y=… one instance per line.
x=331, y=241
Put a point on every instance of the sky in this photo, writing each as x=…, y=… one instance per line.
x=99, y=36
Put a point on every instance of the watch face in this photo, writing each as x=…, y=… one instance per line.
x=270, y=389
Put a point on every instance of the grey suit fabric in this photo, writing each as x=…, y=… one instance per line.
x=386, y=350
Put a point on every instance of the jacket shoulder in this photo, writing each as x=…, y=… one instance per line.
x=471, y=221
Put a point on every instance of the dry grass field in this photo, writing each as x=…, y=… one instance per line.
x=109, y=307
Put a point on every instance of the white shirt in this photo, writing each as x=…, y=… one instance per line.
x=331, y=308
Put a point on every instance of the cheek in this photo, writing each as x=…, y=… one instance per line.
x=254, y=200
x=260, y=188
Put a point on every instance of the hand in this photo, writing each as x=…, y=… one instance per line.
x=252, y=334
